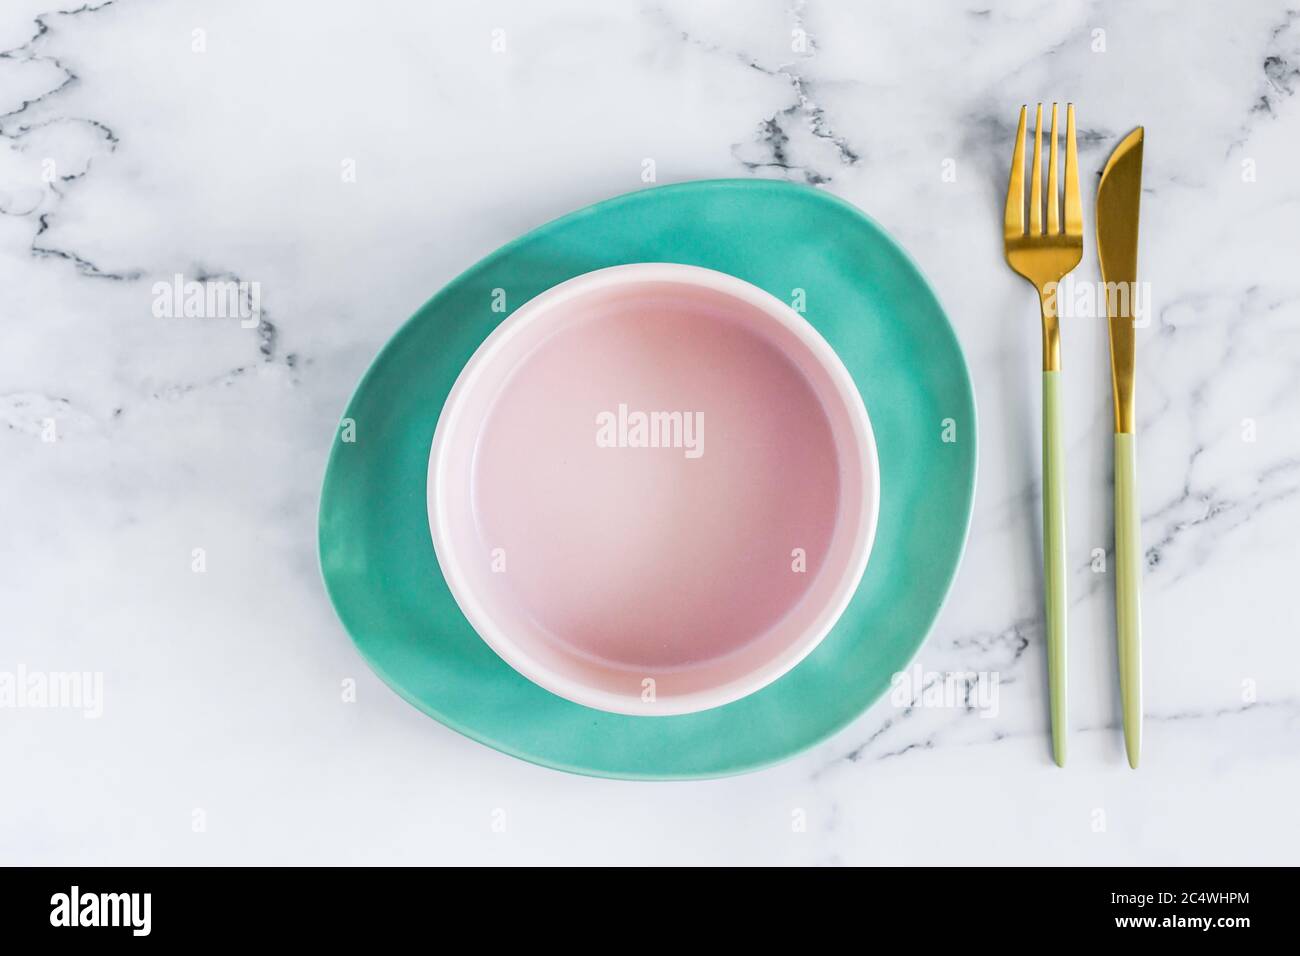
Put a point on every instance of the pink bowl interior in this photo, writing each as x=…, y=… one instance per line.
x=593, y=564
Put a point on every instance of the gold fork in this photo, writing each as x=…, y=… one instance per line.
x=1044, y=258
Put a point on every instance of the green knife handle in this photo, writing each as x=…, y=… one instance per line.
x=1128, y=582
x=1054, y=558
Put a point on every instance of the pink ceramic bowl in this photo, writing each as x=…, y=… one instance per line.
x=653, y=489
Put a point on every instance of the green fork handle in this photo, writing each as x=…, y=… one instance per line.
x=1128, y=583
x=1054, y=558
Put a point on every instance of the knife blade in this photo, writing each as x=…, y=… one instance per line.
x=1118, y=200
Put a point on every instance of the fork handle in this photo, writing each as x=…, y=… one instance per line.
x=1128, y=584
x=1054, y=559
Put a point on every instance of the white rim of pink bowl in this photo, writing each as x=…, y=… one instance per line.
x=864, y=534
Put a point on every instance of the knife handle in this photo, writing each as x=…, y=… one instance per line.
x=1054, y=559
x=1128, y=584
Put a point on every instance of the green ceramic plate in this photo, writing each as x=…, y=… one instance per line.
x=862, y=293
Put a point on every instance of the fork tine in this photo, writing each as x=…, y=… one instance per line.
x=1014, y=224
x=1053, y=190
x=1036, y=184
x=1073, y=205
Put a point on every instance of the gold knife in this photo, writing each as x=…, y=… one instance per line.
x=1118, y=198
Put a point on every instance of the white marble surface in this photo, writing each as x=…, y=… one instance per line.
x=222, y=689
